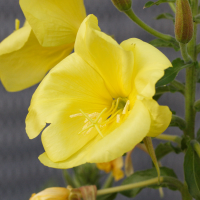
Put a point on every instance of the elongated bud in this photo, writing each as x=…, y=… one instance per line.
x=183, y=21
x=122, y=5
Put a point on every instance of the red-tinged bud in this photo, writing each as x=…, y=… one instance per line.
x=122, y=5
x=183, y=21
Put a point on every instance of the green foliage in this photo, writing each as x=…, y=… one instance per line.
x=151, y=3
x=164, y=43
x=107, y=196
x=192, y=172
x=178, y=121
x=87, y=174
x=172, y=72
x=166, y=16
x=146, y=175
x=165, y=148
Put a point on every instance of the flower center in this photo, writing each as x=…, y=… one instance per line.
x=118, y=110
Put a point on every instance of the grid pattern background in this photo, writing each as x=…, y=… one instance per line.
x=20, y=171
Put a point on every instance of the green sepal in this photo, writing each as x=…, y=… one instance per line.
x=151, y=3
x=165, y=148
x=166, y=16
x=146, y=175
x=178, y=121
x=192, y=171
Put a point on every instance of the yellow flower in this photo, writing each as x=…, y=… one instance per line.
x=98, y=100
x=54, y=193
x=113, y=166
x=24, y=62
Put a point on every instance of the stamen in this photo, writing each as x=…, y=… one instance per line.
x=17, y=24
x=111, y=117
x=76, y=115
x=118, y=118
x=100, y=115
x=87, y=117
x=126, y=107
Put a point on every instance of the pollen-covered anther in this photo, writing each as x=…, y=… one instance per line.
x=126, y=107
x=118, y=118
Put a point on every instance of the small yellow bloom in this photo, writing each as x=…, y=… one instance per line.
x=98, y=101
x=113, y=166
x=24, y=61
x=54, y=193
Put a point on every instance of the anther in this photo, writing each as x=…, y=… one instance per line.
x=17, y=24
x=76, y=115
x=118, y=118
x=126, y=107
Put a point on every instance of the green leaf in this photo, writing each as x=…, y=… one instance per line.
x=192, y=172
x=171, y=72
x=146, y=175
x=107, y=196
x=164, y=43
x=87, y=174
x=151, y=3
x=166, y=16
x=165, y=148
x=178, y=121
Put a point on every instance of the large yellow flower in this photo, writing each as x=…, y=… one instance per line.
x=98, y=100
x=23, y=60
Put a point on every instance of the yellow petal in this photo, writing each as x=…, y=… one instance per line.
x=124, y=138
x=149, y=65
x=24, y=62
x=106, y=56
x=54, y=22
x=53, y=193
x=160, y=117
x=70, y=86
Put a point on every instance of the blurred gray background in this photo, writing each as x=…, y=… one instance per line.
x=21, y=174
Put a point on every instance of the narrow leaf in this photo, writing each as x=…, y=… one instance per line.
x=192, y=172
x=166, y=16
x=171, y=72
x=165, y=148
x=164, y=43
x=146, y=175
x=151, y=3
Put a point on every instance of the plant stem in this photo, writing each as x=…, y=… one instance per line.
x=147, y=28
x=197, y=48
x=163, y=179
x=184, y=53
x=172, y=138
x=191, y=80
x=109, y=181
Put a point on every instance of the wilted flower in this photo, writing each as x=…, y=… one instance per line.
x=24, y=62
x=54, y=193
x=114, y=166
x=98, y=100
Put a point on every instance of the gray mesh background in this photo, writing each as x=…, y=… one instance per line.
x=20, y=171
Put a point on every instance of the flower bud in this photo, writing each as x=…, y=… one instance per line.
x=122, y=5
x=183, y=21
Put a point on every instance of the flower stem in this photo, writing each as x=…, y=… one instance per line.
x=191, y=80
x=154, y=181
x=68, y=178
x=172, y=138
x=109, y=181
x=147, y=28
x=184, y=53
